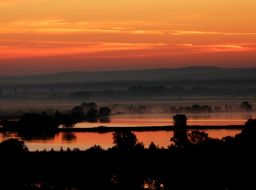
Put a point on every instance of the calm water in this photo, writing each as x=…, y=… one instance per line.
x=86, y=140
x=163, y=119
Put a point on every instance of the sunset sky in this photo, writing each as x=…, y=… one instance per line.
x=47, y=36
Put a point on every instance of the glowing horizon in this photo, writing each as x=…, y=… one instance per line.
x=46, y=36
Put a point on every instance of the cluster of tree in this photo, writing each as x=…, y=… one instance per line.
x=84, y=112
x=245, y=105
x=196, y=108
x=45, y=125
x=33, y=125
x=137, y=109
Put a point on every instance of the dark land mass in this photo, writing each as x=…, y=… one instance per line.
x=103, y=129
x=191, y=81
x=194, y=161
x=177, y=74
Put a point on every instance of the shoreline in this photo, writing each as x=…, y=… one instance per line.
x=149, y=128
x=104, y=129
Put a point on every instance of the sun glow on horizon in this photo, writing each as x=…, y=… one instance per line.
x=126, y=34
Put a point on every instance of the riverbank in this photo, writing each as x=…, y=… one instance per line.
x=146, y=128
x=103, y=129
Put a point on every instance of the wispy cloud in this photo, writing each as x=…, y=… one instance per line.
x=195, y=32
x=59, y=26
x=10, y=49
x=220, y=47
x=8, y=3
x=138, y=39
x=37, y=49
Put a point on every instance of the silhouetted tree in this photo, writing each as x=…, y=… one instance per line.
x=92, y=115
x=87, y=106
x=245, y=105
x=180, y=120
x=180, y=137
x=69, y=136
x=124, y=140
x=198, y=108
x=77, y=114
x=104, y=113
x=35, y=123
x=250, y=124
x=13, y=146
x=139, y=146
x=64, y=119
x=197, y=137
x=248, y=134
x=95, y=149
x=152, y=146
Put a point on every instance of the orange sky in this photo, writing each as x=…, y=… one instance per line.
x=42, y=36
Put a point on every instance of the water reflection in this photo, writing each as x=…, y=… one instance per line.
x=154, y=119
x=86, y=140
x=69, y=136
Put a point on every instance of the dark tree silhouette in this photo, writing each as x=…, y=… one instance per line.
x=87, y=106
x=77, y=114
x=40, y=124
x=69, y=136
x=180, y=120
x=245, y=105
x=197, y=137
x=104, y=113
x=125, y=140
x=92, y=115
x=64, y=119
x=13, y=146
x=198, y=108
x=95, y=149
x=180, y=137
x=152, y=146
x=248, y=134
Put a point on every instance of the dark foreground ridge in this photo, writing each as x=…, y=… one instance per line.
x=165, y=74
x=192, y=161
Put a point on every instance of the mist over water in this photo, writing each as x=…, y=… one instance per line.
x=164, y=119
x=130, y=113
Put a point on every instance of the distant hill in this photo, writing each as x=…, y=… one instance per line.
x=169, y=75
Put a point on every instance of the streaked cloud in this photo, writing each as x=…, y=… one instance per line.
x=59, y=26
x=220, y=47
x=12, y=49
x=195, y=32
x=8, y=3
x=48, y=49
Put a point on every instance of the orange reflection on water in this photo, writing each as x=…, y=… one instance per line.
x=216, y=122
x=86, y=140
x=138, y=122
x=165, y=119
x=160, y=138
x=219, y=134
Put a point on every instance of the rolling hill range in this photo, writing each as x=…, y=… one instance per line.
x=154, y=75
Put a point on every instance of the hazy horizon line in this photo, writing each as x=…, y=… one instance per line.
x=123, y=70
